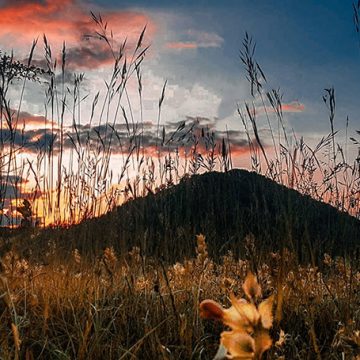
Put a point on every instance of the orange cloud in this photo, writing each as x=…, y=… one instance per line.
x=26, y=121
x=32, y=122
x=69, y=21
x=182, y=45
x=293, y=106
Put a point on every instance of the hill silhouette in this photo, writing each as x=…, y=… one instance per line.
x=226, y=207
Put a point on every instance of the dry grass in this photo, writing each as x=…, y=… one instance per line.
x=133, y=307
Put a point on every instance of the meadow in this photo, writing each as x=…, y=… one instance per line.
x=74, y=300
x=132, y=307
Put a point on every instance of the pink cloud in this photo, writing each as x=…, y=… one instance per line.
x=182, y=45
x=27, y=121
x=293, y=107
x=69, y=21
x=30, y=121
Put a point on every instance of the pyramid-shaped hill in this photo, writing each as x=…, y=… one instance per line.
x=225, y=207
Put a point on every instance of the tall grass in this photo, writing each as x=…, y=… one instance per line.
x=71, y=169
x=72, y=172
x=327, y=170
x=129, y=306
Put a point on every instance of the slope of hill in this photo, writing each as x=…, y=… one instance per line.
x=225, y=207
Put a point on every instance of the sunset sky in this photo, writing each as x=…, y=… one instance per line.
x=303, y=48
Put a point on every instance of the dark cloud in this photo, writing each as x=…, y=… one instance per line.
x=68, y=78
x=30, y=140
x=89, y=55
x=122, y=137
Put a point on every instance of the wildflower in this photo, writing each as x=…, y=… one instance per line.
x=249, y=335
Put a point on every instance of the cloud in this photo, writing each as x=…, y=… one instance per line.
x=30, y=141
x=197, y=39
x=193, y=137
x=122, y=137
x=69, y=21
x=89, y=56
x=23, y=119
x=205, y=39
x=179, y=45
x=32, y=122
x=293, y=107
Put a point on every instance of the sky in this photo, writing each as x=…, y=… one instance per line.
x=302, y=47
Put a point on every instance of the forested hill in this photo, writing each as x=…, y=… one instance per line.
x=226, y=207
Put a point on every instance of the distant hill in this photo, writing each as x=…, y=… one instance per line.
x=228, y=206
x=225, y=207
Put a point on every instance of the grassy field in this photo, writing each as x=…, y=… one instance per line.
x=133, y=307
